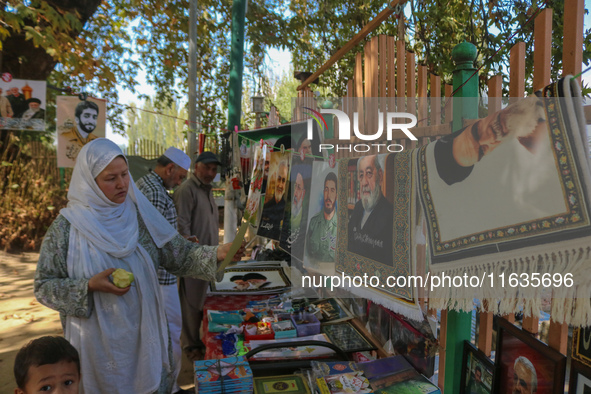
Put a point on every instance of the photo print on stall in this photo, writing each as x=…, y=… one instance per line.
x=377, y=216
x=253, y=201
x=321, y=236
x=276, y=195
x=293, y=232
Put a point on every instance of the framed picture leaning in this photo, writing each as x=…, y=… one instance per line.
x=580, y=378
x=525, y=364
x=477, y=371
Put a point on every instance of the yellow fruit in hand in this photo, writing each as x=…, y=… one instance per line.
x=122, y=278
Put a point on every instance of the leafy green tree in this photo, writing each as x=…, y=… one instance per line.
x=282, y=92
x=165, y=126
x=96, y=46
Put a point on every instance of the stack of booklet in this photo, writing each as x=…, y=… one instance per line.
x=396, y=375
x=384, y=376
x=228, y=376
x=339, y=378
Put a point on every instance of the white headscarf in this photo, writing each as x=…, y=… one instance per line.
x=123, y=343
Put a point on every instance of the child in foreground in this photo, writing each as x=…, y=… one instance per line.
x=48, y=365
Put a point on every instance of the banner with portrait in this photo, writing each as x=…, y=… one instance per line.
x=276, y=195
x=253, y=201
x=376, y=225
x=78, y=122
x=509, y=195
x=321, y=236
x=23, y=104
x=293, y=232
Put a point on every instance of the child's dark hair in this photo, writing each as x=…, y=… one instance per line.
x=42, y=351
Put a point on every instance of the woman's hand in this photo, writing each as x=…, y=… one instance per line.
x=101, y=282
x=191, y=238
x=225, y=248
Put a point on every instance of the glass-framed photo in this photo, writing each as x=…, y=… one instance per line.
x=525, y=364
x=477, y=371
x=331, y=310
x=345, y=336
x=580, y=378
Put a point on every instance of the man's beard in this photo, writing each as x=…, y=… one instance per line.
x=330, y=210
x=87, y=129
x=30, y=113
x=369, y=202
x=296, y=207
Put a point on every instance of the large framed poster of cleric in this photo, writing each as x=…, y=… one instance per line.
x=376, y=216
x=22, y=105
x=78, y=122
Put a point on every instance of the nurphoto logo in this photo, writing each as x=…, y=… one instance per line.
x=392, y=120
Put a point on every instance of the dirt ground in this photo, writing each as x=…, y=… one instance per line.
x=22, y=318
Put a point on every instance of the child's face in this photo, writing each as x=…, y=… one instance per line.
x=58, y=378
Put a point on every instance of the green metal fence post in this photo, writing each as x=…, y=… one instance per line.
x=236, y=64
x=465, y=106
x=62, y=178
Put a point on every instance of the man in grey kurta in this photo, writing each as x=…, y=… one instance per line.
x=197, y=216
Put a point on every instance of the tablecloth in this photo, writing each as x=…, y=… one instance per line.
x=213, y=347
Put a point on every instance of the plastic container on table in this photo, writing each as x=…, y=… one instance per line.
x=284, y=329
x=251, y=337
x=308, y=324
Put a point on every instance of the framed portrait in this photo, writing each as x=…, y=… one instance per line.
x=580, y=378
x=581, y=350
x=477, y=371
x=524, y=363
x=415, y=341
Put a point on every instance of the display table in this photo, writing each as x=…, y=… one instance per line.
x=239, y=302
x=213, y=347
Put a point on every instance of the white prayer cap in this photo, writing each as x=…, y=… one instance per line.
x=178, y=157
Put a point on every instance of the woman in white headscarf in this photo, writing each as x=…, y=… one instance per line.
x=121, y=334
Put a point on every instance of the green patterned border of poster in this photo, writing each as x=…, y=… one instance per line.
x=293, y=384
x=575, y=216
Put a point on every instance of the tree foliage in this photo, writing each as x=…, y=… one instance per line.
x=99, y=47
x=166, y=128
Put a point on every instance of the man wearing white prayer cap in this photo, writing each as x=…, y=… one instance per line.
x=171, y=169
